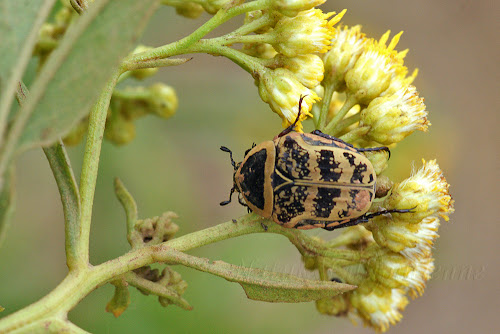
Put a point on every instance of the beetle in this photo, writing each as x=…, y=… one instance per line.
x=307, y=180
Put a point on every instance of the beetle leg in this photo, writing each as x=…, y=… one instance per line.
x=371, y=149
x=292, y=126
x=246, y=152
x=240, y=200
x=230, y=195
x=364, y=218
x=225, y=149
x=324, y=135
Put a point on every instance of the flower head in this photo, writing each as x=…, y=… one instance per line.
x=426, y=193
x=410, y=239
x=377, y=305
x=393, y=117
x=347, y=45
x=372, y=73
x=308, y=69
x=308, y=32
x=394, y=270
x=282, y=91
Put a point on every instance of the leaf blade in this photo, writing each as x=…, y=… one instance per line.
x=80, y=67
x=263, y=285
x=19, y=25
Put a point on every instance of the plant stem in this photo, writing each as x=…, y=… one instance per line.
x=330, y=88
x=180, y=46
x=350, y=102
x=88, y=178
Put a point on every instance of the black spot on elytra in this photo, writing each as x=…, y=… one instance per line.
x=327, y=166
x=358, y=172
x=253, y=181
x=324, y=202
x=349, y=157
x=290, y=200
x=292, y=159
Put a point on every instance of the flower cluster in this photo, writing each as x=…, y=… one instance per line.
x=368, y=100
x=281, y=41
x=397, y=254
x=295, y=69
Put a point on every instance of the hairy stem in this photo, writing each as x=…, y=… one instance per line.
x=88, y=178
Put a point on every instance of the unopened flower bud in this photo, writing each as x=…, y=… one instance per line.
x=163, y=101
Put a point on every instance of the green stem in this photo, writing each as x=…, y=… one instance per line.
x=330, y=88
x=350, y=102
x=233, y=38
x=132, y=94
x=246, y=62
x=179, y=47
x=355, y=134
x=346, y=122
x=90, y=166
x=80, y=283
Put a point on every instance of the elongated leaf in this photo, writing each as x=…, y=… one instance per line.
x=20, y=21
x=78, y=69
x=266, y=285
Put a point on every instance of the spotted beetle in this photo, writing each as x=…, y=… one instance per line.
x=307, y=180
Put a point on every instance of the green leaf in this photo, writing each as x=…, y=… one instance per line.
x=6, y=202
x=20, y=21
x=266, y=285
x=77, y=71
x=70, y=196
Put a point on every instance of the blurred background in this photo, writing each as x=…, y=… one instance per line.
x=177, y=165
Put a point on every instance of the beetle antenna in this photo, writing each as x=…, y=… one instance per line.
x=230, y=195
x=292, y=126
x=225, y=149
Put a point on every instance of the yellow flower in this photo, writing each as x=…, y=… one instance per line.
x=347, y=45
x=423, y=268
x=293, y=7
x=391, y=118
x=282, y=91
x=374, y=69
x=426, y=192
x=377, y=305
x=308, y=32
x=308, y=69
x=394, y=270
x=413, y=240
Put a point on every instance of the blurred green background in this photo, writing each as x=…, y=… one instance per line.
x=177, y=165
